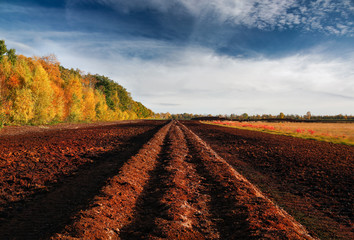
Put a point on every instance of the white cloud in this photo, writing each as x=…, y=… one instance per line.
x=263, y=14
x=197, y=80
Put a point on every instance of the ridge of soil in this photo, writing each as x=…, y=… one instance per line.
x=311, y=180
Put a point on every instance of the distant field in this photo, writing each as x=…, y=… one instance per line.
x=330, y=132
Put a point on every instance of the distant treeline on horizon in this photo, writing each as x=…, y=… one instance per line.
x=39, y=90
x=267, y=117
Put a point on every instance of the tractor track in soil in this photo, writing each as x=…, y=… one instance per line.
x=177, y=187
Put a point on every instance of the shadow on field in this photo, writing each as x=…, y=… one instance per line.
x=49, y=212
x=149, y=206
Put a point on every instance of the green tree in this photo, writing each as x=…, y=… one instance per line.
x=117, y=97
x=3, y=48
x=244, y=116
x=12, y=55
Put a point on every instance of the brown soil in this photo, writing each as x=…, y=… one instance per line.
x=48, y=175
x=312, y=180
x=140, y=180
x=176, y=187
x=18, y=130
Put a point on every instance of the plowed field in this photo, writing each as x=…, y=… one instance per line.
x=136, y=180
x=311, y=180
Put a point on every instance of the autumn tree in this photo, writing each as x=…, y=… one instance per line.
x=23, y=109
x=89, y=105
x=52, y=67
x=4, y=103
x=74, y=99
x=101, y=107
x=43, y=95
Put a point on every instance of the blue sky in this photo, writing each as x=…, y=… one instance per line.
x=199, y=56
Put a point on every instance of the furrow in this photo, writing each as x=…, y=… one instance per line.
x=189, y=199
x=149, y=207
x=239, y=209
x=173, y=205
x=114, y=207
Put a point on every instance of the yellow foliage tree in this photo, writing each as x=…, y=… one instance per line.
x=125, y=115
x=118, y=114
x=58, y=103
x=24, y=71
x=89, y=105
x=42, y=95
x=23, y=106
x=51, y=66
x=132, y=115
x=101, y=106
x=4, y=102
x=74, y=99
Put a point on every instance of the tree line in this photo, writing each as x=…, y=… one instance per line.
x=257, y=117
x=295, y=117
x=38, y=90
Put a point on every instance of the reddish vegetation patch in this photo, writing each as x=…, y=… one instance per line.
x=312, y=180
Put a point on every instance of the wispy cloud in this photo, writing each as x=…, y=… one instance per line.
x=315, y=15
